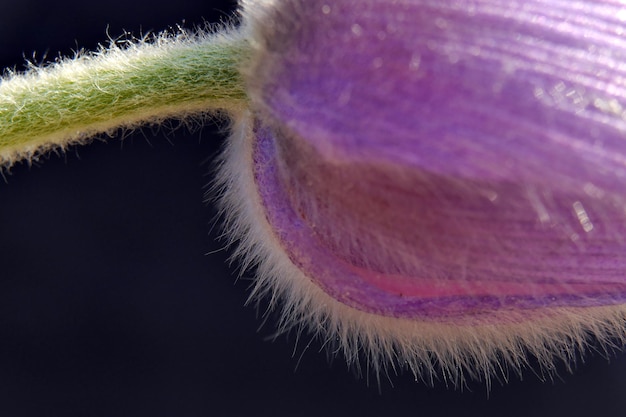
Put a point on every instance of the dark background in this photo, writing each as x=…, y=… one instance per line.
x=116, y=298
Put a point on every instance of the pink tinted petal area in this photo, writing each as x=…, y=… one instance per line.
x=448, y=161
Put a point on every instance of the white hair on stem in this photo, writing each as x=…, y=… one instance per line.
x=174, y=74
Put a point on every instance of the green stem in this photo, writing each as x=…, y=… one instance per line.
x=72, y=100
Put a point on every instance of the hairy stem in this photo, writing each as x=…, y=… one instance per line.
x=71, y=100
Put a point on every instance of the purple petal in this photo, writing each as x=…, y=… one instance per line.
x=445, y=160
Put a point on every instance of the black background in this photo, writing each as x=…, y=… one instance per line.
x=116, y=298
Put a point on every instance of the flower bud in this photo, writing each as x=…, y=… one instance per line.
x=439, y=183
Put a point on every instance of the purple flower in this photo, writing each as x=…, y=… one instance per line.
x=437, y=182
